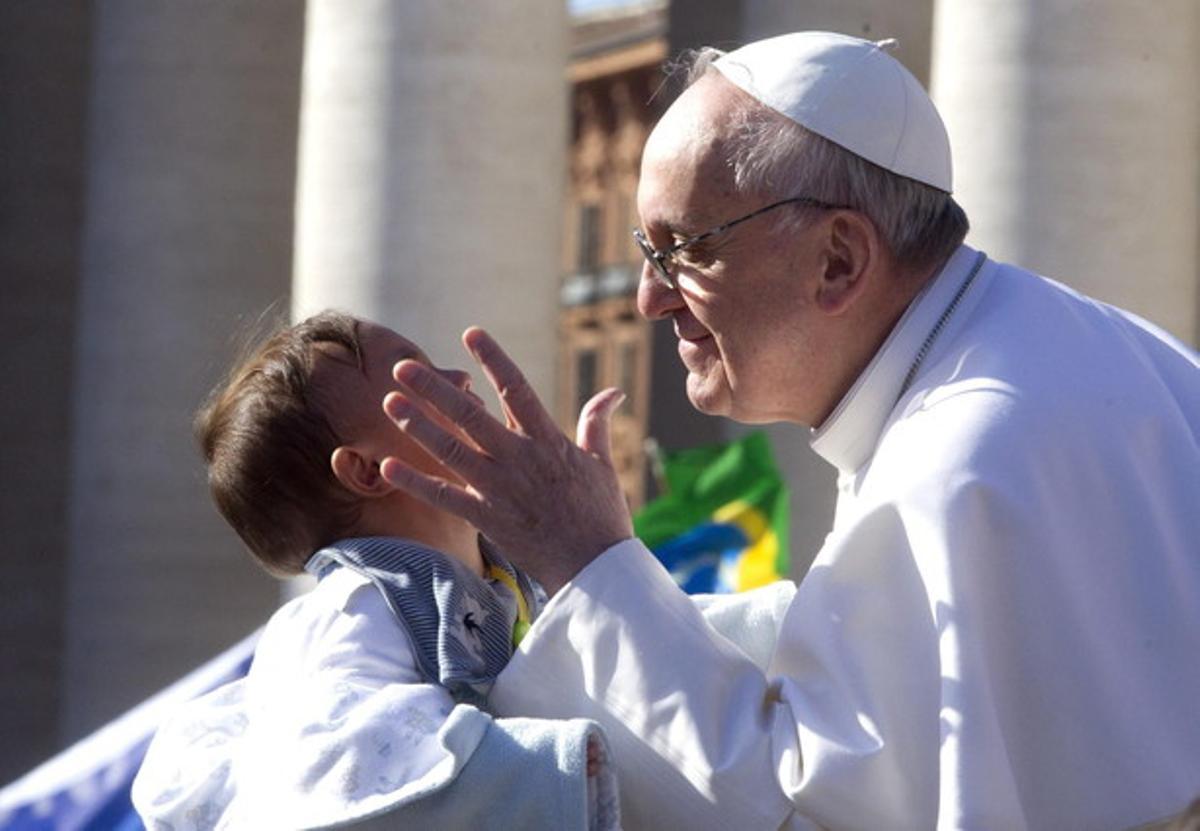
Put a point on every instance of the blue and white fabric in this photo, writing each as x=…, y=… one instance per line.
x=461, y=625
x=337, y=723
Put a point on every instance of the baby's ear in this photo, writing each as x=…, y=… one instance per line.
x=358, y=474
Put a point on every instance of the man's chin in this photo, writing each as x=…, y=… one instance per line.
x=707, y=397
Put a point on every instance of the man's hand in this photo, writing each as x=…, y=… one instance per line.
x=550, y=505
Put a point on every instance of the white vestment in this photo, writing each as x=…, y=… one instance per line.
x=334, y=725
x=1001, y=631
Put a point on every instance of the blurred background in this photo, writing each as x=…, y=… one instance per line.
x=172, y=171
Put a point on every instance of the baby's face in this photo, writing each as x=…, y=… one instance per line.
x=356, y=398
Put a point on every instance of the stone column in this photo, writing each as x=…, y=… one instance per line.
x=43, y=86
x=433, y=139
x=1076, y=136
x=187, y=237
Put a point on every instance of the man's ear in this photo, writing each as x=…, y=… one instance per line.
x=358, y=473
x=851, y=250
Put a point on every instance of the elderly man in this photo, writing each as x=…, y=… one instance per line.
x=1002, y=628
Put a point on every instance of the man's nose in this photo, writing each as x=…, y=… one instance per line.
x=654, y=298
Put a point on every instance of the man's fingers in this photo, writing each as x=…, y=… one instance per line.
x=436, y=492
x=451, y=451
x=520, y=402
x=594, y=433
x=463, y=409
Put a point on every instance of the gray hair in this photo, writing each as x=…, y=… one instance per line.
x=777, y=158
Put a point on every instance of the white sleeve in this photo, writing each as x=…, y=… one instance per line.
x=696, y=730
x=841, y=728
x=751, y=620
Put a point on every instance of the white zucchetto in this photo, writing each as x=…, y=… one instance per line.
x=852, y=92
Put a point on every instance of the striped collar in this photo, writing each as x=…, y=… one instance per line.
x=463, y=627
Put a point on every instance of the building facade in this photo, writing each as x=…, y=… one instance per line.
x=615, y=71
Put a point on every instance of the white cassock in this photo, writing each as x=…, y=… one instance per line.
x=335, y=726
x=1002, y=630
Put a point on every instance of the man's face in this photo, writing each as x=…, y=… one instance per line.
x=355, y=399
x=742, y=306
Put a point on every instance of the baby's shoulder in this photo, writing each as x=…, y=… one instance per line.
x=342, y=623
x=345, y=591
x=342, y=592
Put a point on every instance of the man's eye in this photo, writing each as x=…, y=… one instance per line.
x=695, y=254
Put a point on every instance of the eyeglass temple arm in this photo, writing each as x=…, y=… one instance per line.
x=816, y=203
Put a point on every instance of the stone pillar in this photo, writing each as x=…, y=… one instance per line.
x=43, y=86
x=433, y=140
x=1076, y=136
x=187, y=216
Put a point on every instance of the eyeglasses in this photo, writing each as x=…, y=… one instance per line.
x=664, y=261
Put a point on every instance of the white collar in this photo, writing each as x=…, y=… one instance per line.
x=848, y=436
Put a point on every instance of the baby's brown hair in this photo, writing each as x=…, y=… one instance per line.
x=267, y=442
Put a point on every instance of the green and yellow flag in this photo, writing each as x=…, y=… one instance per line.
x=722, y=525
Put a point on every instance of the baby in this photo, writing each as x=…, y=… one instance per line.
x=365, y=701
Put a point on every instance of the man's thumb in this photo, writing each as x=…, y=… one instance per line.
x=593, y=433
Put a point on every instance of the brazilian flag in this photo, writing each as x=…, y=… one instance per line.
x=722, y=525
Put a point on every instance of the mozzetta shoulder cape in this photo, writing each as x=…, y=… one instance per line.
x=1002, y=629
